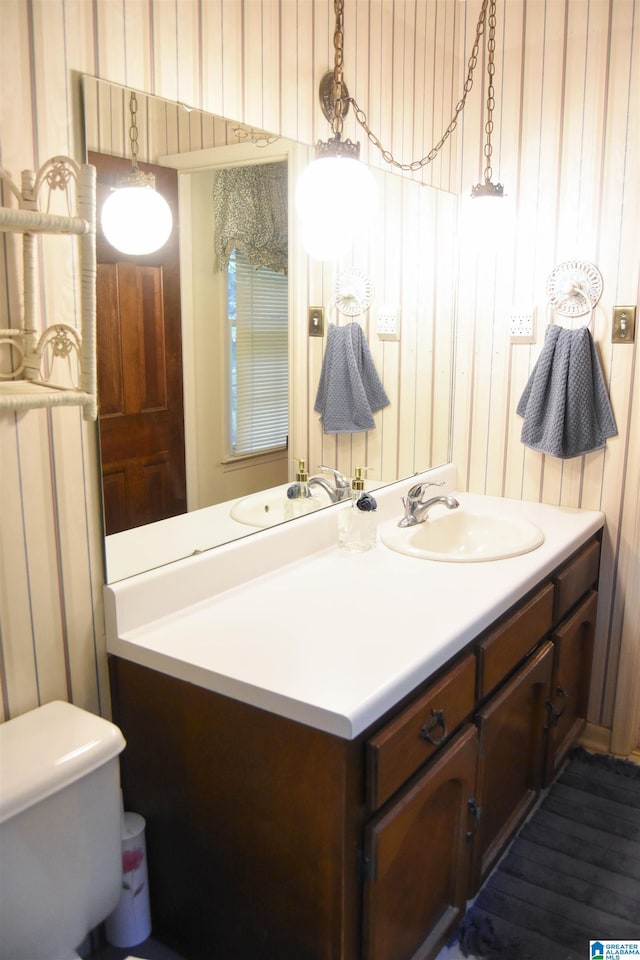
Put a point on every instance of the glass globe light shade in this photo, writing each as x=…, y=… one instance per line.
x=136, y=220
x=336, y=200
x=488, y=218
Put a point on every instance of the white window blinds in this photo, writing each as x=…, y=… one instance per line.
x=259, y=357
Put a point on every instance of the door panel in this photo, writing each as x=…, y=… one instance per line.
x=512, y=743
x=573, y=642
x=417, y=854
x=140, y=370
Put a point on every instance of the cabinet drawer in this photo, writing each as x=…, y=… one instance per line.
x=404, y=744
x=575, y=578
x=503, y=648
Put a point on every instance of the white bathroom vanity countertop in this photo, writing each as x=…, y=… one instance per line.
x=327, y=638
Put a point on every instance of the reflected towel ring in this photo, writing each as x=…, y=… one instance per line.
x=354, y=314
x=353, y=292
x=574, y=288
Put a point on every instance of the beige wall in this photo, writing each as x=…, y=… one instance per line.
x=566, y=138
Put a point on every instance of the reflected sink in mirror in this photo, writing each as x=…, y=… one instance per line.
x=267, y=507
x=464, y=536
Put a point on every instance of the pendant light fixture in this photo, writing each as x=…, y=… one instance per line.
x=335, y=194
x=135, y=218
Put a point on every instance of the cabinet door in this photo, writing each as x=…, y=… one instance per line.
x=573, y=642
x=417, y=854
x=511, y=757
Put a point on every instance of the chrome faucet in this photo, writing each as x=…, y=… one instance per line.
x=416, y=509
x=341, y=488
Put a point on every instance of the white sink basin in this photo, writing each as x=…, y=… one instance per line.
x=261, y=509
x=267, y=507
x=464, y=536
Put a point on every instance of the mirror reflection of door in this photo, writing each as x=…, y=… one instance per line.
x=139, y=349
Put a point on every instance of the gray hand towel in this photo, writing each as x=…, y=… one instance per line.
x=565, y=403
x=350, y=390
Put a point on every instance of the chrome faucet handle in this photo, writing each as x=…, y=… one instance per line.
x=417, y=492
x=341, y=482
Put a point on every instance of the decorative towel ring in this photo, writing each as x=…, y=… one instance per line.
x=573, y=289
x=353, y=292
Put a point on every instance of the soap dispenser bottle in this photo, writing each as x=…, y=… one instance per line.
x=357, y=522
x=300, y=500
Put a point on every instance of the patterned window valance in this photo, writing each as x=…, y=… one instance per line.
x=250, y=205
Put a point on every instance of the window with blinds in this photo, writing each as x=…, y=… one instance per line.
x=258, y=309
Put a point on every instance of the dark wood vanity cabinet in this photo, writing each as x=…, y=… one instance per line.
x=253, y=822
x=270, y=839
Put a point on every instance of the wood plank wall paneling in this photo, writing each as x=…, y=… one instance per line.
x=573, y=85
x=564, y=145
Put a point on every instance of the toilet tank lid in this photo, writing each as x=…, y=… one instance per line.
x=46, y=749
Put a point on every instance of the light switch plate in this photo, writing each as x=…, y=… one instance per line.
x=624, y=325
x=316, y=321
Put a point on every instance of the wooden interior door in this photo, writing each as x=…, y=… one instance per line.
x=139, y=346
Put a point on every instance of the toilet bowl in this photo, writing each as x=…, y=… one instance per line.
x=60, y=820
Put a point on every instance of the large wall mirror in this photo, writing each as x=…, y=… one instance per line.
x=410, y=258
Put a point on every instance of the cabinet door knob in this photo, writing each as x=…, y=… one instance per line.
x=555, y=714
x=561, y=694
x=435, y=721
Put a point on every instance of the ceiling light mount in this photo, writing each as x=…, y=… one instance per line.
x=335, y=147
x=137, y=177
x=487, y=188
x=327, y=97
x=334, y=98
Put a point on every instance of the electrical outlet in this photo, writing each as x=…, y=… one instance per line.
x=388, y=323
x=522, y=324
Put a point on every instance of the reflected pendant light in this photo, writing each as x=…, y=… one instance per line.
x=135, y=218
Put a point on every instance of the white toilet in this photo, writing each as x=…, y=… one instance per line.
x=60, y=829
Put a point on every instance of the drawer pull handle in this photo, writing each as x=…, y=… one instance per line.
x=436, y=720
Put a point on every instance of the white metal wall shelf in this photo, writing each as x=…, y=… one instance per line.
x=29, y=353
